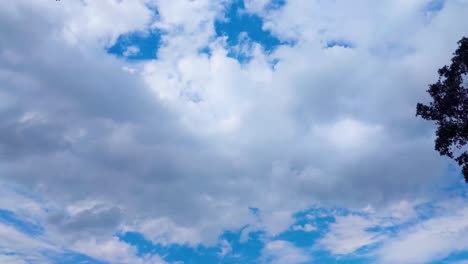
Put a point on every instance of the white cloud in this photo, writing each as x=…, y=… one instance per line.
x=226, y=248
x=103, y=21
x=183, y=146
x=131, y=50
x=114, y=251
x=305, y=228
x=11, y=259
x=283, y=252
x=429, y=240
x=165, y=232
x=24, y=247
x=349, y=135
x=24, y=207
x=30, y=249
x=349, y=233
x=399, y=233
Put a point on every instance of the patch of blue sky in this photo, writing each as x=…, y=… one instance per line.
x=318, y=218
x=435, y=5
x=453, y=258
x=339, y=43
x=173, y=252
x=254, y=211
x=240, y=252
x=6, y=252
x=314, y=212
x=248, y=251
x=453, y=188
x=275, y=5
x=427, y=211
x=137, y=45
x=143, y=245
x=431, y=209
x=241, y=27
x=205, y=50
x=300, y=238
x=431, y=9
x=22, y=225
x=190, y=255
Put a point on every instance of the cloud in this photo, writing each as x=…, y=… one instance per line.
x=11, y=259
x=99, y=219
x=282, y=252
x=23, y=247
x=348, y=234
x=305, y=228
x=130, y=51
x=226, y=248
x=104, y=21
x=115, y=251
x=419, y=232
x=433, y=239
x=181, y=148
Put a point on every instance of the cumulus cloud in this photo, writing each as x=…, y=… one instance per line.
x=181, y=148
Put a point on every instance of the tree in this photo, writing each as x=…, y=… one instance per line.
x=449, y=108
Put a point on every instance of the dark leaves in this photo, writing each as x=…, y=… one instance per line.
x=449, y=108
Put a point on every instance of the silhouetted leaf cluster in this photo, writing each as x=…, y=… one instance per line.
x=450, y=108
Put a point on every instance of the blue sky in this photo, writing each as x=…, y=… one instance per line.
x=226, y=131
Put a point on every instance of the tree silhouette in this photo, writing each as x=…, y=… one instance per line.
x=450, y=108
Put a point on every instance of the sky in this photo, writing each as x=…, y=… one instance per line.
x=226, y=131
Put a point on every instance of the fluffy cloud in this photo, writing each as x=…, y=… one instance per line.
x=183, y=146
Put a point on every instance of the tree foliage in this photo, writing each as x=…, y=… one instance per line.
x=449, y=108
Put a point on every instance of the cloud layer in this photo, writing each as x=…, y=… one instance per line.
x=183, y=146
